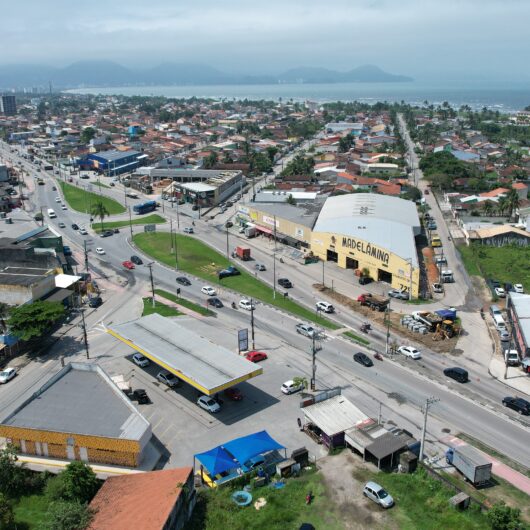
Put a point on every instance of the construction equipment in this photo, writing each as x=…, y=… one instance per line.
x=374, y=302
x=444, y=330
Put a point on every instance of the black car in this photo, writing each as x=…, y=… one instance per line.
x=458, y=374
x=75, y=227
x=229, y=224
x=285, y=282
x=95, y=301
x=363, y=280
x=141, y=396
x=107, y=233
x=215, y=302
x=183, y=280
x=116, y=231
x=363, y=359
x=136, y=260
x=519, y=404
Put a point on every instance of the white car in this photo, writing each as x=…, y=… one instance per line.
x=140, y=360
x=64, y=207
x=209, y=404
x=99, y=250
x=409, y=351
x=518, y=288
x=168, y=379
x=7, y=375
x=375, y=492
x=83, y=232
x=290, y=387
x=58, y=199
x=246, y=304
x=188, y=230
x=500, y=292
x=210, y=291
x=325, y=306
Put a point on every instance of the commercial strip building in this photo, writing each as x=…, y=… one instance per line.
x=369, y=233
x=113, y=163
x=79, y=414
x=202, y=364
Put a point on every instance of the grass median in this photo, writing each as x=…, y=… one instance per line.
x=160, y=308
x=153, y=219
x=200, y=260
x=185, y=303
x=82, y=201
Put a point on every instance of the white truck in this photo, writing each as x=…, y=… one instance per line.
x=250, y=230
x=470, y=462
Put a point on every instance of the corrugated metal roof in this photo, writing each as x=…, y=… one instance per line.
x=334, y=415
x=200, y=362
x=521, y=304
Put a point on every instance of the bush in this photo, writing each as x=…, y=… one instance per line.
x=64, y=515
x=504, y=517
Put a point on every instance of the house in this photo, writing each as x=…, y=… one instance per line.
x=498, y=236
x=155, y=500
x=521, y=189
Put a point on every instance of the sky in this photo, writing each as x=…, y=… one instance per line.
x=422, y=38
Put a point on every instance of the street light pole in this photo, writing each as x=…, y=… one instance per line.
x=227, y=246
x=252, y=322
x=130, y=223
x=150, y=265
x=85, y=337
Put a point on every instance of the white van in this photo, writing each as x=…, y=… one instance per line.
x=499, y=323
x=51, y=213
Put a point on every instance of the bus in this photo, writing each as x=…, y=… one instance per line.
x=145, y=207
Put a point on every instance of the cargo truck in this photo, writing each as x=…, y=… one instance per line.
x=374, y=302
x=471, y=463
x=242, y=253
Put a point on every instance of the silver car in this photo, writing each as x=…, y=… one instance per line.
x=378, y=494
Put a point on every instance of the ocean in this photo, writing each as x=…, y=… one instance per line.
x=503, y=97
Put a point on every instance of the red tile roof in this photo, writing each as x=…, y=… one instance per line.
x=519, y=186
x=140, y=500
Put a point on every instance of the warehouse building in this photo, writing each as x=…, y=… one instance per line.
x=366, y=232
x=113, y=163
x=79, y=414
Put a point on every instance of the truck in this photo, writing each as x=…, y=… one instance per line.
x=250, y=230
x=447, y=276
x=242, y=253
x=374, y=302
x=431, y=320
x=471, y=463
x=511, y=357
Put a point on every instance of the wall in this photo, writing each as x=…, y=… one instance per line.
x=15, y=295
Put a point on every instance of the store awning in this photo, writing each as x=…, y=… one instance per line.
x=263, y=229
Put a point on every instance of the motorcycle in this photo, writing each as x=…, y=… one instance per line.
x=378, y=356
x=482, y=313
x=234, y=305
x=365, y=328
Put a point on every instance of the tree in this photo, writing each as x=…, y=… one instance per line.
x=502, y=205
x=87, y=135
x=210, y=160
x=79, y=482
x=504, y=517
x=4, y=313
x=488, y=208
x=64, y=515
x=11, y=475
x=30, y=321
x=512, y=201
x=290, y=199
x=99, y=210
x=7, y=517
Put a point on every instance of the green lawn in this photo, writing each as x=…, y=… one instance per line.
x=202, y=261
x=161, y=309
x=153, y=219
x=423, y=502
x=285, y=508
x=185, y=303
x=82, y=201
x=356, y=338
x=30, y=511
x=505, y=264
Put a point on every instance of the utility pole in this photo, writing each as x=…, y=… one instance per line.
x=274, y=263
x=178, y=218
x=323, y=264
x=380, y=416
x=84, y=331
x=227, y=245
x=150, y=265
x=171, y=233
x=314, y=349
x=130, y=223
x=387, y=327
x=176, y=251
x=428, y=402
x=252, y=322
x=86, y=255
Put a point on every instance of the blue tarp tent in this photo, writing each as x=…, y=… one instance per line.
x=252, y=445
x=216, y=461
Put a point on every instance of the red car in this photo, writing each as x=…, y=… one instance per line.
x=255, y=356
x=128, y=265
x=234, y=394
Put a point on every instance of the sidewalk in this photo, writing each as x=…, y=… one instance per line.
x=515, y=377
x=520, y=481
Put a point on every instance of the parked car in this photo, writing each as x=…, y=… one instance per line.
x=168, y=379
x=75, y=227
x=62, y=225
x=399, y=294
x=437, y=288
x=500, y=292
x=325, y=306
x=215, y=302
x=518, y=288
x=210, y=291
x=58, y=199
x=504, y=335
x=519, y=404
x=247, y=305
x=306, y=330
x=229, y=271
x=378, y=494
x=363, y=280
x=233, y=393
x=183, y=280
x=458, y=374
x=189, y=230
x=441, y=260
x=64, y=207
x=289, y=387
x=363, y=359
x=209, y=404
x=285, y=283
x=67, y=251
x=409, y=351
x=83, y=231
x=140, y=360
x=128, y=264
x=136, y=260
x=255, y=356
x=260, y=267
x=7, y=374
x=99, y=250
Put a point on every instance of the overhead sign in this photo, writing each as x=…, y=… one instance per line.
x=242, y=339
x=368, y=249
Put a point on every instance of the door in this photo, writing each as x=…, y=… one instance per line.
x=83, y=454
x=351, y=263
x=38, y=448
x=331, y=255
x=70, y=453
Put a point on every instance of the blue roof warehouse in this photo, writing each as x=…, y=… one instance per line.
x=113, y=163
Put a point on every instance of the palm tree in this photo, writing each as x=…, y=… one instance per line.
x=512, y=201
x=488, y=208
x=99, y=210
x=502, y=205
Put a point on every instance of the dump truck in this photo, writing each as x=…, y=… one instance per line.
x=431, y=320
x=437, y=323
x=242, y=253
x=374, y=302
x=470, y=462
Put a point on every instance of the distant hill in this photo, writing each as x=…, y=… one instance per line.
x=108, y=73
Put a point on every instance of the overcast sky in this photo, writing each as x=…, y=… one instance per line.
x=411, y=37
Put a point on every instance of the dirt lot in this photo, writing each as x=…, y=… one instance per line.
x=440, y=346
x=344, y=478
